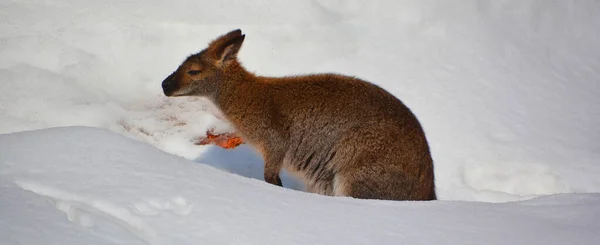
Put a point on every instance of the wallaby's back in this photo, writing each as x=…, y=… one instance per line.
x=341, y=135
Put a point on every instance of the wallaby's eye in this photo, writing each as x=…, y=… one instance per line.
x=194, y=72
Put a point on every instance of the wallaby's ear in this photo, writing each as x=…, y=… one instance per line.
x=229, y=51
x=232, y=34
x=225, y=48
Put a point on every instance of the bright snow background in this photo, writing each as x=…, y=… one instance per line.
x=507, y=92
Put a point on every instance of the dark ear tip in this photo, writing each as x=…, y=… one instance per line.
x=236, y=32
x=239, y=38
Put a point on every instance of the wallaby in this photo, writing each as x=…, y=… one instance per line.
x=341, y=135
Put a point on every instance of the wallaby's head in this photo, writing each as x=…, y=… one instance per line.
x=201, y=74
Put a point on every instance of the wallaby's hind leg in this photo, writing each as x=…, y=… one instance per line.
x=377, y=165
x=373, y=182
x=323, y=187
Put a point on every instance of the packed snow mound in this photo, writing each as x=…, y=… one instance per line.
x=79, y=185
x=506, y=90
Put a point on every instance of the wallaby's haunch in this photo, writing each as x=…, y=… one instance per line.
x=343, y=136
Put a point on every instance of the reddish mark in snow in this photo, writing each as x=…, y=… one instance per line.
x=225, y=140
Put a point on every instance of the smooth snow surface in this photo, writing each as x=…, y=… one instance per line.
x=507, y=92
x=80, y=185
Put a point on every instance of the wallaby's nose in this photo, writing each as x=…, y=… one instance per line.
x=167, y=85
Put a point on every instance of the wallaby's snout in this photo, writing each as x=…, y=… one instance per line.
x=168, y=85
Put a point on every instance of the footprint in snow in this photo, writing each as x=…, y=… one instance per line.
x=150, y=207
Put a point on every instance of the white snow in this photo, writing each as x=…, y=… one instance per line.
x=78, y=185
x=506, y=92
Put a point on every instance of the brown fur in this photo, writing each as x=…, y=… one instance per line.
x=343, y=136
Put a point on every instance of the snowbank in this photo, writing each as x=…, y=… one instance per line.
x=79, y=185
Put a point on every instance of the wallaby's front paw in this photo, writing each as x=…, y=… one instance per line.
x=275, y=180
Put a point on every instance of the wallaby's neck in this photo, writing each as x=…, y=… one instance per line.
x=235, y=79
x=236, y=72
